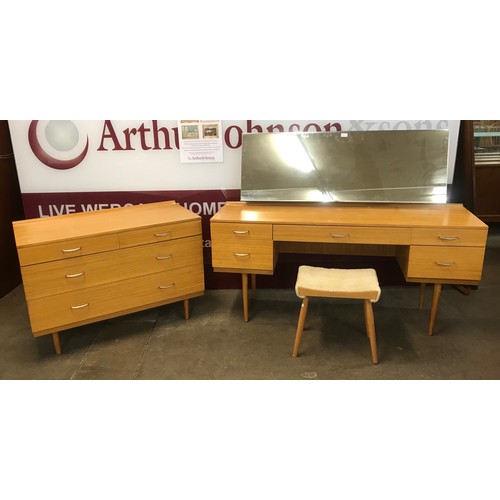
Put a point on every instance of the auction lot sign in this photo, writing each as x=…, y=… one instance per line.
x=67, y=166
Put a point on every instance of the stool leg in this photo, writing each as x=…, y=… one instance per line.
x=370, y=329
x=300, y=326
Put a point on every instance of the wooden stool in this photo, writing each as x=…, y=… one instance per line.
x=338, y=283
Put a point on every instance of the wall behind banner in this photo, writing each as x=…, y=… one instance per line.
x=67, y=166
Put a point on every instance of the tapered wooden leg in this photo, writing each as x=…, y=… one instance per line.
x=186, y=309
x=370, y=329
x=254, y=286
x=300, y=326
x=57, y=344
x=244, y=289
x=422, y=296
x=434, y=307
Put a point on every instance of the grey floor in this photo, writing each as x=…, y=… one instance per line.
x=216, y=344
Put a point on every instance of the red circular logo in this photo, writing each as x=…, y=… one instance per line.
x=47, y=159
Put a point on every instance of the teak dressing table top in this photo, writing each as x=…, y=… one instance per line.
x=396, y=215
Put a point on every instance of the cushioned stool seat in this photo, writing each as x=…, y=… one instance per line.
x=338, y=283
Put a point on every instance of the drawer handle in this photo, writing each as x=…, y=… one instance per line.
x=70, y=250
x=340, y=235
x=164, y=287
x=241, y=232
x=162, y=235
x=445, y=264
x=77, y=275
x=241, y=254
x=165, y=257
x=79, y=307
x=449, y=238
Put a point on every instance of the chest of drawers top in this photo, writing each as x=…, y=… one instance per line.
x=101, y=222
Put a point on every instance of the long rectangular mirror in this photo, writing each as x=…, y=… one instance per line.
x=403, y=166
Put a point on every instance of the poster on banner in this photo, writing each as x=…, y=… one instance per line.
x=200, y=141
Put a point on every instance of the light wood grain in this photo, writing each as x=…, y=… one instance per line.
x=67, y=249
x=154, y=234
x=243, y=246
x=351, y=214
x=438, y=244
x=256, y=255
x=342, y=234
x=116, y=261
x=449, y=237
x=85, y=224
x=460, y=263
x=51, y=278
x=63, y=310
x=241, y=232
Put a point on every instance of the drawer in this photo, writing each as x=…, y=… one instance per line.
x=256, y=255
x=343, y=234
x=449, y=237
x=67, y=249
x=241, y=232
x=50, y=278
x=460, y=263
x=81, y=306
x=154, y=234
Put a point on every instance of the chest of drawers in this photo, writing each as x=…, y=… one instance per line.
x=86, y=267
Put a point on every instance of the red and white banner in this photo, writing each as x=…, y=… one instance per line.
x=67, y=166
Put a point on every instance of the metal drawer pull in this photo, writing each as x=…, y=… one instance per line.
x=241, y=254
x=340, y=235
x=164, y=287
x=77, y=275
x=162, y=235
x=241, y=232
x=71, y=250
x=165, y=257
x=79, y=307
x=445, y=264
x=449, y=238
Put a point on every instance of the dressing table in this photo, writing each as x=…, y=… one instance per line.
x=438, y=244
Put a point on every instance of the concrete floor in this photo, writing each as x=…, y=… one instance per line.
x=216, y=344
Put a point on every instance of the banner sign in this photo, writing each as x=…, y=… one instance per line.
x=67, y=166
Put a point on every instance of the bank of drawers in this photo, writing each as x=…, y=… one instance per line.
x=62, y=310
x=242, y=246
x=79, y=280
x=61, y=276
x=431, y=254
x=449, y=254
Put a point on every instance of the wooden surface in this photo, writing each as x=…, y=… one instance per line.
x=432, y=243
x=84, y=224
x=365, y=215
x=85, y=267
